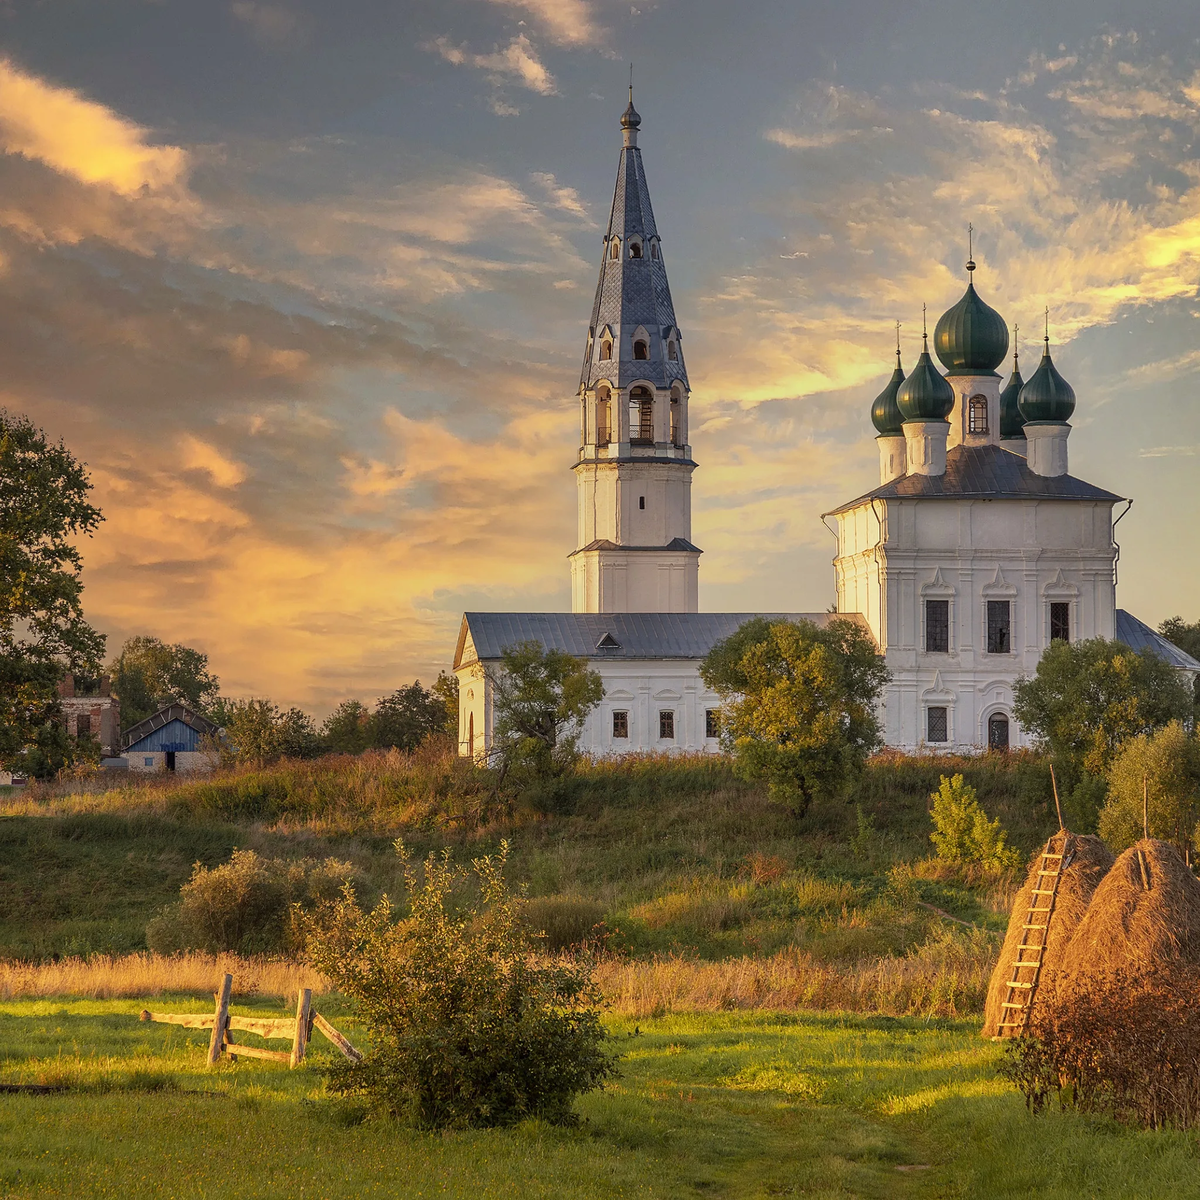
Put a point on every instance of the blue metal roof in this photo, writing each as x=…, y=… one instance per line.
x=1139, y=636
x=637, y=635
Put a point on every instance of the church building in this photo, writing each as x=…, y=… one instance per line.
x=976, y=550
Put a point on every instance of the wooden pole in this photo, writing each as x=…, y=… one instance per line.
x=1057, y=806
x=220, y=1021
x=1145, y=806
x=300, y=1039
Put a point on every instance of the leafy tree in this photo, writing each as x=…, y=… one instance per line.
x=961, y=829
x=296, y=735
x=347, y=730
x=540, y=700
x=445, y=688
x=799, y=704
x=44, y=509
x=149, y=673
x=1155, y=775
x=251, y=729
x=1186, y=636
x=407, y=717
x=467, y=1027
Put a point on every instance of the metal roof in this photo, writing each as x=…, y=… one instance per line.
x=637, y=635
x=164, y=716
x=1139, y=636
x=983, y=473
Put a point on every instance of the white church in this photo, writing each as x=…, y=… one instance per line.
x=976, y=550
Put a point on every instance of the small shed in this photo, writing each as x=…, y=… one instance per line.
x=176, y=738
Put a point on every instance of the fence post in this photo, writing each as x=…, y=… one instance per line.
x=300, y=1038
x=222, y=1019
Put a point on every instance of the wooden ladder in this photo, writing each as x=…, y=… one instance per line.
x=1027, y=966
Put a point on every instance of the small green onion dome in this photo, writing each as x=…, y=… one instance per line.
x=885, y=412
x=925, y=395
x=971, y=338
x=1011, y=422
x=1047, y=397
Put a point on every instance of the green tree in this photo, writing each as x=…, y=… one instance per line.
x=961, y=829
x=1154, y=775
x=407, y=717
x=44, y=510
x=799, y=704
x=347, y=730
x=251, y=729
x=1086, y=699
x=296, y=735
x=540, y=700
x=149, y=673
x=445, y=688
x=1182, y=634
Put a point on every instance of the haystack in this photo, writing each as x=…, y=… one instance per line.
x=1145, y=915
x=1085, y=861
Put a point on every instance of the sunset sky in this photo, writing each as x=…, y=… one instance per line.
x=307, y=284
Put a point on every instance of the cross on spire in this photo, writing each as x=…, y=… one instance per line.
x=970, y=246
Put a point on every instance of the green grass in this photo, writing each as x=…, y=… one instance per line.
x=729, y=1106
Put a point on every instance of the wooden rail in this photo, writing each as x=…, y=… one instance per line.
x=222, y=1023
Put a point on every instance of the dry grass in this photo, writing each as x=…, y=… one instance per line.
x=107, y=978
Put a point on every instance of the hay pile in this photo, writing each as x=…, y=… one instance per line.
x=1089, y=860
x=1144, y=916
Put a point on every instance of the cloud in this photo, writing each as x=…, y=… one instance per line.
x=271, y=24
x=78, y=137
x=567, y=22
x=517, y=62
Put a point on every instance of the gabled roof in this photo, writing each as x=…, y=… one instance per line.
x=1139, y=636
x=164, y=716
x=983, y=473
x=587, y=635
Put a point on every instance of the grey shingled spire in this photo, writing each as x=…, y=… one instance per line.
x=633, y=292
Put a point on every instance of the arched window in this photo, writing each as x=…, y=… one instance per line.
x=583, y=430
x=672, y=352
x=471, y=733
x=603, y=416
x=641, y=414
x=635, y=249
x=641, y=350
x=676, y=409
x=606, y=350
x=653, y=249
x=977, y=415
x=614, y=250
x=998, y=732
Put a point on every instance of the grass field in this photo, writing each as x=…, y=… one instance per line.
x=737, y=1105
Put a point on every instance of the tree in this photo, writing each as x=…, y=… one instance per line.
x=44, y=508
x=149, y=674
x=1154, y=776
x=1187, y=637
x=799, y=704
x=540, y=700
x=961, y=829
x=251, y=729
x=445, y=688
x=407, y=717
x=347, y=730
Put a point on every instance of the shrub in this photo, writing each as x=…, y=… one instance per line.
x=245, y=905
x=564, y=922
x=467, y=1029
x=962, y=831
x=1127, y=1046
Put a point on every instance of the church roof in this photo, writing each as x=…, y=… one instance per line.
x=633, y=293
x=983, y=473
x=1139, y=636
x=636, y=635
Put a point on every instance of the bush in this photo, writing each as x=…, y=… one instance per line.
x=565, y=922
x=467, y=1029
x=962, y=831
x=1125, y=1046
x=245, y=905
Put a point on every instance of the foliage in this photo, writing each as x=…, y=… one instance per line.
x=1157, y=775
x=245, y=905
x=413, y=713
x=798, y=704
x=1126, y=1045
x=252, y=730
x=467, y=1029
x=962, y=831
x=347, y=730
x=1183, y=634
x=540, y=700
x=1088, y=697
x=566, y=922
x=44, y=510
x=149, y=674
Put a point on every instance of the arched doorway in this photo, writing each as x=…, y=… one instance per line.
x=998, y=732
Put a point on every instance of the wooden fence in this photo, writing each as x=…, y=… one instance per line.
x=222, y=1023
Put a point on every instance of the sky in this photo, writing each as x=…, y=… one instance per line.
x=306, y=285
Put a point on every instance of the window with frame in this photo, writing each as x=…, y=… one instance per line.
x=937, y=723
x=654, y=250
x=148, y=761
x=635, y=249
x=674, y=420
x=83, y=725
x=999, y=627
x=615, y=249
x=603, y=418
x=666, y=724
x=672, y=353
x=712, y=722
x=1060, y=621
x=641, y=412
x=977, y=415
x=620, y=724
x=605, y=350
x=641, y=350
x=937, y=626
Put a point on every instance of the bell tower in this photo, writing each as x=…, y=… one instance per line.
x=634, y=473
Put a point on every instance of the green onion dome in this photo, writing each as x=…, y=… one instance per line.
x=1011, y=421
x=971, y=338
x=1047, y=397
x=925, y=395
x=885, y=412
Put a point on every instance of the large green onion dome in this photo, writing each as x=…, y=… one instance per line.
x=971, y=338
x=1047, y=397
x=1011, y=421
x=885, y=412
x=925, y=395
